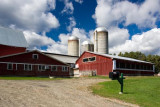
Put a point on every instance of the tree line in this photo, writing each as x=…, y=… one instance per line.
x=140, y=56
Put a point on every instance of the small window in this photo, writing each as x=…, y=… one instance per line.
x=85, y=60
x=92, y=59
x=27, y=67
x=35, y=56
x=9, y=66
x=41, y=67
x=64, y=68
x=54, y=68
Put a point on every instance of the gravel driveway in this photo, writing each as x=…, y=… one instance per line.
x=58, y=93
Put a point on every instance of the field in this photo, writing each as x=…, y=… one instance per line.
x=144, y=91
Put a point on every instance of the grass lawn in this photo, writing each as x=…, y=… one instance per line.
x=30, y=78
x=144, y=91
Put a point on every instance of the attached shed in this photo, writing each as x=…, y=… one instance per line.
x=11, y=41
x=32, y=63
x=101, y=64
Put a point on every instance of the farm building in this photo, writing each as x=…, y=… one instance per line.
x=68, y=59
x=32, y=63
x=11, y=41
x=101, y=64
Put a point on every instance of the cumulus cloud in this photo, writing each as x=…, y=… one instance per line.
x=117, y=36
x=37, y=41
x=68, y=8
x=79, y=1
x=72, y=24
x=30, y=15
x=111, y=13
x=147, y=42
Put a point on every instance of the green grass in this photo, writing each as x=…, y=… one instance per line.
x=144, y=91
x=30, y=78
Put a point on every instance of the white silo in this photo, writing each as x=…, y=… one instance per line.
x=87, y=46
x=73, y=46
x=101, y=40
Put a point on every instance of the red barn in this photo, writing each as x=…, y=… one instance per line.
x=102, y=64
x=32, y=63
x=11, y=41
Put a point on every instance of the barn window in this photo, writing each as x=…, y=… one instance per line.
x=9, y=66
x=41, y=67
x=122, y=65
x=117, y=65
x=64, y=68
x=35, y=56
x=54, y=68
x=133, y=66
x=92, y=59
x=27, y=67
x=85, y=60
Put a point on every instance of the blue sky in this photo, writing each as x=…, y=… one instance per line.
x=133, y=25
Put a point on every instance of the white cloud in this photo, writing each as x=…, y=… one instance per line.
x=147, y=42
x=35, y=40
x=79, y=1
x=30, y=15
x=117, y=36
x=72, y=24
x=110, y=13
x=68, y=8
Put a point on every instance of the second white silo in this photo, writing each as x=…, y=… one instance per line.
x=101, y=40
x=73, y=46
x=87, y=46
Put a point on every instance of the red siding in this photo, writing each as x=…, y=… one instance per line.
x=102, y=65
x=7, y=50
x=26, y=58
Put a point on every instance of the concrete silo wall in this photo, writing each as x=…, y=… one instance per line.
x=73, y=47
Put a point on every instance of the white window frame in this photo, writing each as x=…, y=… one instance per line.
x=34, y=55
x=52, y=68
x=28, y=67
x=41, y=68
x=88, y=59
x=16, y=66
x=8, y=66
x=64, y=68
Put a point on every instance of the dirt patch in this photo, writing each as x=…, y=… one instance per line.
x=70, y=92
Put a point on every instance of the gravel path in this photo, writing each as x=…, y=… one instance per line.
x=58, y=93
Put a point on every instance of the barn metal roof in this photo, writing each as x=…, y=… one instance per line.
x=12, y=37
x=119, y=57
x=62, y=57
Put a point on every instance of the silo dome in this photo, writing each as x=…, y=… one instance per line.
x=87, y=42
x=73, y=46
x=101, y=29
x=73, y=38
x=87, y=46
x=101, y=40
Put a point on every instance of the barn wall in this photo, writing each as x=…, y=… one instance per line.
x=7, y=50
x=18, y=62
x=102, y=65
x=144, y=68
